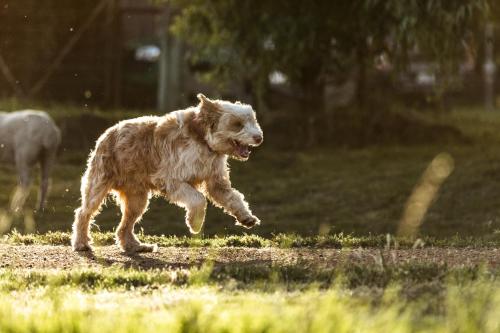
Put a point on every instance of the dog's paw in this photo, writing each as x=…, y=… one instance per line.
x=139, y=247
x=249, y=222
x=144, y=247
x=81, y=242
x=82, y=247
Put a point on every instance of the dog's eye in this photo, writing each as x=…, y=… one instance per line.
x=237, y=125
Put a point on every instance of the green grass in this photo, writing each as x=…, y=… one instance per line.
x=252, y=276
x=477, y=124
x=350, y=191
x=354, y=299
x=337, y=241
x=59, y=111
x=311, y=192
x=320, y=198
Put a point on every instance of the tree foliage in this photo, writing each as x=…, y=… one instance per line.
x=312, y=41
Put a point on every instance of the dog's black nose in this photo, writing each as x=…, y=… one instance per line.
x=258, y=139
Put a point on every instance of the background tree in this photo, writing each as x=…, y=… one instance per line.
x=311, y=42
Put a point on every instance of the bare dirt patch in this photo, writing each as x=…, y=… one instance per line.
x=62, y=257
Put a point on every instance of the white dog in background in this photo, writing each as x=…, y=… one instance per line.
x=27, y=138
x=182, y=156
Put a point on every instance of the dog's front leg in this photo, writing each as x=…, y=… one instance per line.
x=186, y=196
x=233, y=202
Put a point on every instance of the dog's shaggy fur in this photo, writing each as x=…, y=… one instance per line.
x=182, y=156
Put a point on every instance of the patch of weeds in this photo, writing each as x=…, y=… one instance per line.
x=110, y=278
x=337, y=241
x=415, y=279
x=201, y=275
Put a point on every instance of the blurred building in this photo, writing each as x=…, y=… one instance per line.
x=98, y=52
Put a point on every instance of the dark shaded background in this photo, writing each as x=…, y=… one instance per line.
x=355, y=98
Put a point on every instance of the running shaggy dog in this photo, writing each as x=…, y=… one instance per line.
x=181, y=156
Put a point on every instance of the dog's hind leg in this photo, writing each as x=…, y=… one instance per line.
x=133, y=204
x=94, y=191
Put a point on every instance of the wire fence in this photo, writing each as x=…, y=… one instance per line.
x=74, y=51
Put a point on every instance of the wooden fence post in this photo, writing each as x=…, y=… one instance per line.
x=170, y=68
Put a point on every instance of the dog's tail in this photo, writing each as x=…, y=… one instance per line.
x=101, y=164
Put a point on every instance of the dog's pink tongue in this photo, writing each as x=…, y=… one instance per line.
x=243, y=151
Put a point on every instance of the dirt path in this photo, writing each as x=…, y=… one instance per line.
x=62, y=257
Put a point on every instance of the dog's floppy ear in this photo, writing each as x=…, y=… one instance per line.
x=210, y=112
x=207, y=104
x=202, y=98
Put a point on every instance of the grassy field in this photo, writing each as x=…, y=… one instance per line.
x=361, y=192
x=332, y=265
x=281, y=241
x=315, y=191
x=201, y=299
x=308, y=293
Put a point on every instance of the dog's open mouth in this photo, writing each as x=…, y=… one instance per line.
x=242, y=150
